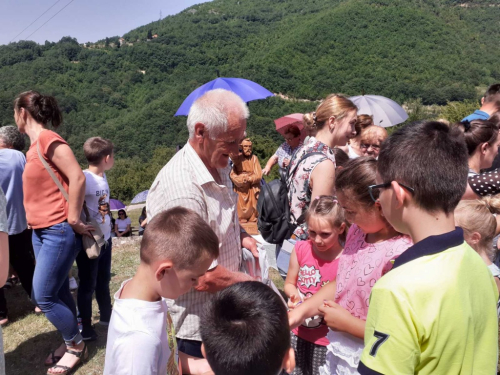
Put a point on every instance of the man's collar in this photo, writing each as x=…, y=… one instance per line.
x=431, y=245
x=202, y=173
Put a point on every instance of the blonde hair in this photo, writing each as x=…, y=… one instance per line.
x=477, y=216
x=328, y=207
x=373, y=132
x=334, y=105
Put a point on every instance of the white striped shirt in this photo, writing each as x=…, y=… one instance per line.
x=185, y=181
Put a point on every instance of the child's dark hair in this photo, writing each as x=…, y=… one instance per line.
x=355, y=177
x=477, y=132
x=180, y=235
x=431, y=158
x=328, y=207
x=96, y=149
x=245, y=330
x=340, y=157
x=122, y=212
x=42, y=108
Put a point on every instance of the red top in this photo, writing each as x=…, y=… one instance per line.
x=313, y=274
x=43, y=201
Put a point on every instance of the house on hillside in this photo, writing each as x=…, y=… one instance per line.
x=121, y=41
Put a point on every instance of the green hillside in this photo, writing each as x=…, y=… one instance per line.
x=435, y=50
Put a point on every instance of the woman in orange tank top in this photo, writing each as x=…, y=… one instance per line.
x=56, y=223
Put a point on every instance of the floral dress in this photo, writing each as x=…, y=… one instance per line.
x=299, y=189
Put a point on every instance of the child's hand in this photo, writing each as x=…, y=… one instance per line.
x=293, y=301
x=294, y=319
x=335, y=316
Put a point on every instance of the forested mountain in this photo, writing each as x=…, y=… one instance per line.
x=436, y=50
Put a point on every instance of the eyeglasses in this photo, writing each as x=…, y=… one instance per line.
x=371, y=188
x=368, y=145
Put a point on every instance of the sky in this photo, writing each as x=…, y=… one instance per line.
x=85, y=20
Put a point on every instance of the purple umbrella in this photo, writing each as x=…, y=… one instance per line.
x=141, y=197
x=245, y=89
x=115, y=204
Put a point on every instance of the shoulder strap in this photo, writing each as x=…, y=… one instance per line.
x=304, y=157
x=57, y=182
x=51, y=172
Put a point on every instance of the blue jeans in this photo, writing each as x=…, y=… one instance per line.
x=94, y=275
x=55, y=249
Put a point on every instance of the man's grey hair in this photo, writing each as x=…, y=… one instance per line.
x=10, y=136
x=213, y=109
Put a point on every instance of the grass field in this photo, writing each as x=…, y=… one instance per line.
x=28, y=338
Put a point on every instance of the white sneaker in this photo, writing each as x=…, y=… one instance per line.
x=72, y=284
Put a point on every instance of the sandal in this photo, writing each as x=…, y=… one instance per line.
x=82, y=356
x=55, y=358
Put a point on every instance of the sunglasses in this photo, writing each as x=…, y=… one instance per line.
x=367, y=146
x=371, y=189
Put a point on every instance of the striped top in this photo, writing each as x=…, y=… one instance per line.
x=185, y=181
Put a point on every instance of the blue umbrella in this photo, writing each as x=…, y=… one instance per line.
x=115, y=204
x=244, y=88
x=141, y=197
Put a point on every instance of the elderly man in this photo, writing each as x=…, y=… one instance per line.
x=197, y=177
x=12, y=163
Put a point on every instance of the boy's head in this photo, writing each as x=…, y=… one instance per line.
x=492, y=94
x=426, y=164
x=178, y=246
x=99, y=151
x=245, y=331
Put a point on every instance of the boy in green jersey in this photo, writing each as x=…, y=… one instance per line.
x=435, y=311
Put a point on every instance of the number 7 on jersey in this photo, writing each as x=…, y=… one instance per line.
x=381, y=338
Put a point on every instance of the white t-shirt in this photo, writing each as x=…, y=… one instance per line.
x=137, y=337
x=97, y=194
x=122, y=224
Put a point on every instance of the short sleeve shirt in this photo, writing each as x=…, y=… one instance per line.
x=285, y=152
x=361, y=265
x=487, y=183
x=185, y=181
x=433, y=313
x=97, y=199
x=12, y=164
x=43, y=201
x=299, y=193
x=477, y=115
x=314, y=273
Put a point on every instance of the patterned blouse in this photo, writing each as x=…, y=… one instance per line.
x=299, y=192
x=285, y=152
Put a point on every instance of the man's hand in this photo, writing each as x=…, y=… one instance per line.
x=286, y=162
x=266, y=171
x=248, y=242
x=220, y=278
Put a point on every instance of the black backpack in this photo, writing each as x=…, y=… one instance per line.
x=274, y=209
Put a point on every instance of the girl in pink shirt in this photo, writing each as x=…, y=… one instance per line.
x=313, y=264
x=371, y=247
